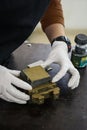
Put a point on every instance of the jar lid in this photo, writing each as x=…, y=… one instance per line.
x=81, y=39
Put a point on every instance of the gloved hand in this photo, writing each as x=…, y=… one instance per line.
x=59, y=55
x=8, y=92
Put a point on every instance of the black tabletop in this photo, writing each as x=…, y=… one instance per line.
x=67, y=113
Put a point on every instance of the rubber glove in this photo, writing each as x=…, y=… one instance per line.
x=8, y=79
x=59, y=55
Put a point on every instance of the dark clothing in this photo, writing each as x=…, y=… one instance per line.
x=17, y=21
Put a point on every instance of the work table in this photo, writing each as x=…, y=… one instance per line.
x=67, y=113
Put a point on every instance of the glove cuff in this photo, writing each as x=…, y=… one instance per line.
x=64, y=39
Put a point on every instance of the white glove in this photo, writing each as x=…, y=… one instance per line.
x=59, y=55
x=7, y=91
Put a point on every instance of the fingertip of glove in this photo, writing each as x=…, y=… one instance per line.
x=26, y=86
x=72, y=86
x=23, y=102
x=74, y=83
x=54, y=80
x=30, y=87
x=27, y=97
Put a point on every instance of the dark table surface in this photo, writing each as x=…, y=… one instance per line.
x=67, y=113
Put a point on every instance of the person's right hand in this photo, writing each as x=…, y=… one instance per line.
x=8, y=79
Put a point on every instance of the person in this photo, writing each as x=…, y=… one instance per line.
x=17, y=22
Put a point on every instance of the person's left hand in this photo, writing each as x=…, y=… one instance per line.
x=59, y=54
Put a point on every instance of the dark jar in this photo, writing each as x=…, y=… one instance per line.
x=79, y=53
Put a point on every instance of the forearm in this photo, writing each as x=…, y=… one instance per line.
x=54, y=30
x=53, y=21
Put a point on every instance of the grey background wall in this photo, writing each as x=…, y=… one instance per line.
x=75, y=13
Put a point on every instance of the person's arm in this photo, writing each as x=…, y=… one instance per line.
x=53, y=20
x=53, y=25
x=54, y=30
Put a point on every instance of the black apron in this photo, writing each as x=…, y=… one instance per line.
x=17, y=21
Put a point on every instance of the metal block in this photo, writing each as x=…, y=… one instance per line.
x=40, y=80
x=35, y=75
x=45, y=91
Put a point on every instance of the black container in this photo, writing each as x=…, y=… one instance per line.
x=79, y=53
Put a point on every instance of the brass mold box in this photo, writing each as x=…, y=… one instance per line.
x=40, y=80
x=35, y=75
x=45, y=91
